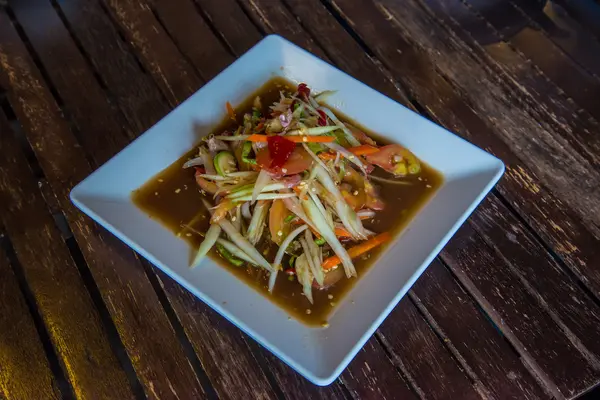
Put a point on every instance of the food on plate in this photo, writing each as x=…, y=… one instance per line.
x=291, y=196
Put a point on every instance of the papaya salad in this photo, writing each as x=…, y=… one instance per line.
x=292, y=175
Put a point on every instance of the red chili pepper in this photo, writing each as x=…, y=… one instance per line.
x=280, y=150
x=200, y=170
x=303, y=89
x=290, y=271
x=322, y=118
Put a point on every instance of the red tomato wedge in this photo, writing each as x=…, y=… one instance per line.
x=280, y=150
x=299, y=161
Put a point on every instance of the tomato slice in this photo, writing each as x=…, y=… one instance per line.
x=280, y=150
x=277, y=216
x=299, y=161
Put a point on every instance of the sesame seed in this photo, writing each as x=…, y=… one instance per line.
x=308, y=311
x=178, y=190
x=419, y=178
x=188, y=234
x=279, y=233
x=185, y=187
x=156, y=193
x=313, y=189
x=161, y=180
x=325, y=325
x=355, y=193
x=428, y=186
x=233, y=218
x=304, y=139
x=330, y=296
x=332, y=304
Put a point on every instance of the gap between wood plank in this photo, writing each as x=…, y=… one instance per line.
x=87, y=278
x=179, y=331
x=62, y=382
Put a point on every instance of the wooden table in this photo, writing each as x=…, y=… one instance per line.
x=510, y=308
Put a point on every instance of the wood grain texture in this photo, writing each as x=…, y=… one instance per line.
x=180, y=18
x=546, y=55
x=226, y=358
x=235, y=28
x=545, y=346
x=150, y=342
x=537, y=270
x=555, y=223
x=566, y=33
x=127, y=84
x=24, y=369
x=567, y=173
x=419, y=353
x=370, y=375
x=542, y=96
x=176, y=78
x=63, y=302
x=221, y=347
x=585, y=13
x=487, y=354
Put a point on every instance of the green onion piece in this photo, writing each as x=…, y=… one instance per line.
x=320, y=241
x=228, y=256
x=292, y=260
x=246, y=149
x=289, y=218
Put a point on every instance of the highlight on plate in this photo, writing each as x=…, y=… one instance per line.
x=299, y=178
x=290, y=197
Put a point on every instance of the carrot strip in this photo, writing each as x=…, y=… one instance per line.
x=326, y=156
x=296, y=139
x=230, y=110
x=356, y=251
x=342, y=232
x=363, y=150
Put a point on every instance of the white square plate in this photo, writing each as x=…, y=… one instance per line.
x=320, y=354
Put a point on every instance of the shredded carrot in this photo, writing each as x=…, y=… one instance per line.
x=363, y=150
x=342, y=232
x=230, y=110
x=295, y=139
x=356, y=251
x=326, y=156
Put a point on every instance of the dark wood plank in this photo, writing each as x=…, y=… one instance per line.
x=126, y=82
x=24, y=369
x=556, y=224
x=155, y=49
x=230, y=21
x=150, y=342
x=542, y=52
x=556, y=291
x=221, y=347
x=563, y=170
x=547, y=348
x=419, y=354
x=226, y=358
x=545, y=100
x=585, y=12
x=64, y=304
x=187, y=27
x=484, y=349
x=566, y=33
x=369, y=375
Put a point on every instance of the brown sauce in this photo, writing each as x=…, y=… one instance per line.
x=173, y=198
